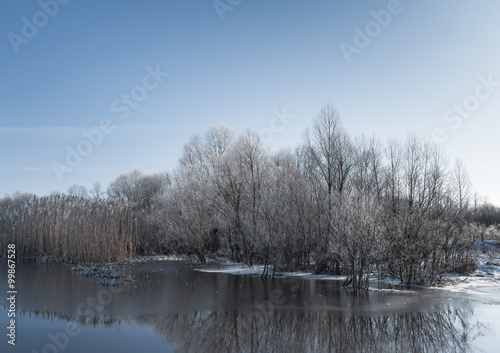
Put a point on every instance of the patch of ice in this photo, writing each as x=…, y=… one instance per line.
x=310, y=275
x=240, y=269
x=235, y=270
x=165, y=258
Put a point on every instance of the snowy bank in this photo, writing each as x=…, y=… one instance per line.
x=487, y=273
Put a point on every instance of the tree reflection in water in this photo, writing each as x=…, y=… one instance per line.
x=446, y=330
x=449, y=330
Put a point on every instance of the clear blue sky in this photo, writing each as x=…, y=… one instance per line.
x=63, y=69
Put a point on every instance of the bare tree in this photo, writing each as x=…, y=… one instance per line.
x=78, y=190
x=96, y=191
x=331, y=152
x=461, y=185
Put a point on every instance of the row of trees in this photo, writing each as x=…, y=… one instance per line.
x=334, y=204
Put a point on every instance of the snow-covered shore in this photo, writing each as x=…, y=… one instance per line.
x=487, y=273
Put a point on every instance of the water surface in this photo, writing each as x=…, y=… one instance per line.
x=171, y=307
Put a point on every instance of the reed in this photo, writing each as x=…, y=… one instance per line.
x=68, y=228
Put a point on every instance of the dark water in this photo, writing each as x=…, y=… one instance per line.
x=173, y=308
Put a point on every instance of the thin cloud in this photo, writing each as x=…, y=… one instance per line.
x=49, y=169
x=66, y=130
x=40, y=130
x=161, y=127
x=25, y=169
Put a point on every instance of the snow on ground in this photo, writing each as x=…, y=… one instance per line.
x=487, y=273
x=485, y=278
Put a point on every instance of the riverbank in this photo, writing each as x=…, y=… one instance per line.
x=487, y=273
